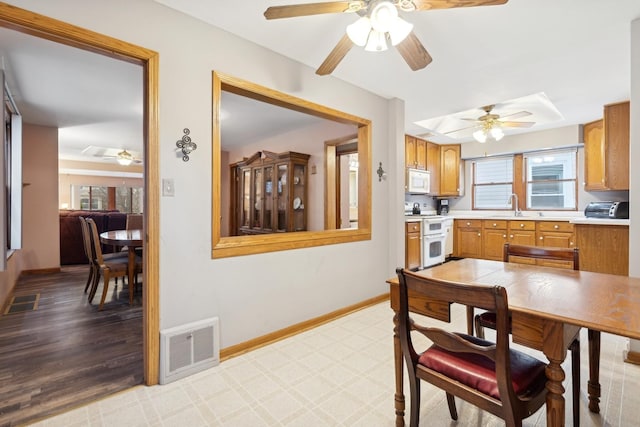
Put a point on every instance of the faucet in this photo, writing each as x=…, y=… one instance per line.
x=516, y=211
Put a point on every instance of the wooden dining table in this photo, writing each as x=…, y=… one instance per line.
x=548, y=306
x=132, y=239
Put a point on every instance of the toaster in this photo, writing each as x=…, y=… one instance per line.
x=611, y=210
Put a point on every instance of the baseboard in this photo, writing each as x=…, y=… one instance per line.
x=239, y=349
x=41, y=271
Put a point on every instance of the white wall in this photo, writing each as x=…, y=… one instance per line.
x=252, y=295
x=40, y=220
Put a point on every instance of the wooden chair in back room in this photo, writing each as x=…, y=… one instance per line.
x=490, y=375
x=549, y=257
x=108, y=267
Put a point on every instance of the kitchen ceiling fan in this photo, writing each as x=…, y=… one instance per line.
x=378, y=23
x=490, y=124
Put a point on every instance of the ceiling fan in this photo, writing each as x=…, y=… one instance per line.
x=490, y=124
x=379, y=22
x=122, y=156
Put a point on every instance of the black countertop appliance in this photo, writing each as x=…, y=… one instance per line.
x=442, y=207
x=610, y=210
x=416, y=209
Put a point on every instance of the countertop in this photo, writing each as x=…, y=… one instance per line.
x=526, y=217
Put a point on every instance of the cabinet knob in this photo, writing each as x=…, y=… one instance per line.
x=556, y=226
x=504, y=236
x=468, y=224
x=570, y=243
x=541, y=238
x=511, y=236
x=495, y=225
x=478, y=234
x=521, y=225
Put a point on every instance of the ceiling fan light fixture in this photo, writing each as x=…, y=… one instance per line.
x=125, y=158
x=480, y=135
x=383, y=16
x=358, y=32
x=497, y=133
x=399, y=31
x=377, y=42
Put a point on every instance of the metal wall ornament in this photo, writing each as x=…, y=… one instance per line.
x=186, y=145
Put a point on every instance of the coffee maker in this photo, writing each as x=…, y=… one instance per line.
x=442, y=207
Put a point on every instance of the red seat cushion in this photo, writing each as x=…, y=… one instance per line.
x=478, y=372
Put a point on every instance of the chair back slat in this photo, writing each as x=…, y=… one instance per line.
x=86, y=239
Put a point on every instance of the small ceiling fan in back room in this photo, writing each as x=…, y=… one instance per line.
x=378, y=24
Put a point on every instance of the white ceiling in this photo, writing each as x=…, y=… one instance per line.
x=576, y=52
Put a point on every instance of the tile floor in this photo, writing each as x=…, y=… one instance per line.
x=339, y=374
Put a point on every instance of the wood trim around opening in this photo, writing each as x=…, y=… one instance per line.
x=61, y=32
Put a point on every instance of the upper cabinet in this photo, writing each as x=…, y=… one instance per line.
x=449, y=170
x=606, y=150
x=442, y=161
x=415, y=152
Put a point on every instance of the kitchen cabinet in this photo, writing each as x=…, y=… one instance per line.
x=413, y=245
x=468, y=238
x=449, y=170
x=606, y=150
x=494, y=236
x=557, y=234
x=415, y=152
x=269, y=193
x=433, y=166
x=522, y=233
x=603, y=248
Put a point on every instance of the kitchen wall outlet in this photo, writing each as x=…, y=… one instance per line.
x=168, y=190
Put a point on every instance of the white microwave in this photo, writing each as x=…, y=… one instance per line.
x=418, y=181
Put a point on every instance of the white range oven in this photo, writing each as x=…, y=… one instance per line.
x=433, y=241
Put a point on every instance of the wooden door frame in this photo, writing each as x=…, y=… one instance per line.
x=41, y=26
x=332, y=180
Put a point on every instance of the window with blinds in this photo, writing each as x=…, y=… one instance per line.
x=493, y=183
x=551, y=180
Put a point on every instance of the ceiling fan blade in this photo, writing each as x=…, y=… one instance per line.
x=449, y=4
x=517, y=124
x=331, y=62
x=291, y=11
x=413, y=52
x=516, y=115
x=461, y=129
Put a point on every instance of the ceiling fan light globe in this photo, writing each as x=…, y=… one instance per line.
x=377, y=42
x=480, y=136
x=383, y=15
x=125, y=162
x=358, y=32
x=399, y=31
x=497, y=133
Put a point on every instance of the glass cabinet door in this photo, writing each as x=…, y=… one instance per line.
x=245, y=220
x=282, y=197
x=268, y=198
x=257, y=200
x=299, y=202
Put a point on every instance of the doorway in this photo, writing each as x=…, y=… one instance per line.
x=341, y=183
x=50, y=29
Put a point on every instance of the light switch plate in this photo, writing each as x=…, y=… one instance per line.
x=168, y=190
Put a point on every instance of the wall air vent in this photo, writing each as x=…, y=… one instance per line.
x=187, y=349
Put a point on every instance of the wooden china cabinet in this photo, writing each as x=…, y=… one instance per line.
x=269, y=193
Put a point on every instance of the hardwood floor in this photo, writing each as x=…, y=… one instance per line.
x=67, y=353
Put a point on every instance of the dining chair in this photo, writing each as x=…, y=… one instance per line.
x=88, y=251
x=116, y=266
x=552, y=257
x=490, y=375
x=134, y=222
